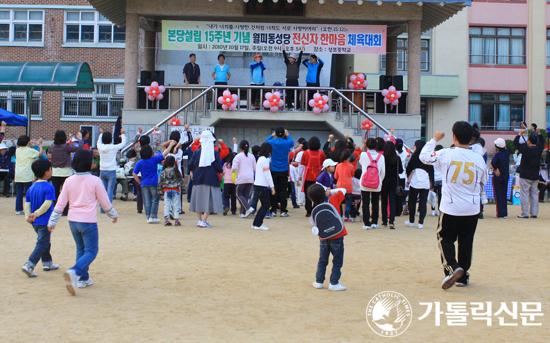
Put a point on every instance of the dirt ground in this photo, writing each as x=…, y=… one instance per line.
x=230, y=283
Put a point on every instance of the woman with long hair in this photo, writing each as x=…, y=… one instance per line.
x=313, y=161
x=245, y=166
x=390, y=183
x=420, y=181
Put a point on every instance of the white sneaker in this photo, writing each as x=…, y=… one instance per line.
x=242, y=215
x=432, y=213
x=249, y=212
x=366, y=227
x=437, y=213
x=29, y=270
x=284, y=214
x=450, y=280
x=72, y=281
x=207, y=224
x=200, y=223
x=86, y=283
x=262, y=227
x=317, y=285
x=420, y=226
x=484, y=200
x=338, y=287
x=51, y=266
x=19, y=213
x=153, y=221
x=374, y=226
x=409, y=224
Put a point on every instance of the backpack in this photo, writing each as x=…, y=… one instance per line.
x=371, y=177
x=326, y=218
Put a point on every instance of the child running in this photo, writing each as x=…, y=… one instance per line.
x=464, y=174
x=38, y=208
x=328, y=225
x=262, y=185
x=169, y=185
x=82, y=192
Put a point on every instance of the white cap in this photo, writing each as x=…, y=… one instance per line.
x=292, y=56
x=328, y=163
x=3, y=146
x=500, y=143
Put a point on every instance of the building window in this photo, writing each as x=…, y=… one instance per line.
x=16, y=102
x=497, y=45
x=91, y=27
x=496, y=111
x=402, y=56
x=105, y=102
x=21, y=26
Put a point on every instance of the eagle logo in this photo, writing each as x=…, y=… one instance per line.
x=389, y=314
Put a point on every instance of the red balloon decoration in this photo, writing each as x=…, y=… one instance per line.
x=154, y=91
x=175, y=122
x=367, y=125
x=319, y=103
x=228, y=101
x=357, y=82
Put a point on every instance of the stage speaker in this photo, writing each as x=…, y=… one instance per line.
x=146, y=77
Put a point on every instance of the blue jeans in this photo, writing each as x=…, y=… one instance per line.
x=42, y=248
x=150, y=201
x=172, y=204
x=264, y=195
x=108, y=177
x=22, y=187
x=336, y=248
x=348, y=204
x=86, y=237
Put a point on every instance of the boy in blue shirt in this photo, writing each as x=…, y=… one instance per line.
x=221, y=74
x=38, y=208
x=257, y=78
x=314, y=66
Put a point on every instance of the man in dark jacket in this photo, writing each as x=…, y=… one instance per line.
x=529, y=173
x=292, y=76
x=6, y=167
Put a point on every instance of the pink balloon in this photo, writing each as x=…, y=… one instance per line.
x=325, y=98
x=398, y=94
x=220, y=99
x=311, y=103
x=233, y=107
x=387, y=101
x=391, y=88
x=281, y=103
x=395, y=102
x=154, y=84
x=268, y=95
x=352, y=78
x=277, y=94
x=150, y=97
x=316, y=110
x=387, y=137
x=225, y=107
x=162, y=89
x=147, y=90
x=385, y=92
x=274, y=109
x=361, y=76
x=160, y=96
x=226, y=92
x=325, y=109
x=351, y=85
x=316, y=95
x=267, y=104
x=235, y=97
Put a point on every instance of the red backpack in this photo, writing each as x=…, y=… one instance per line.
x=371, y=177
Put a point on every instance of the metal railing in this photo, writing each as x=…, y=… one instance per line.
x=342, y=102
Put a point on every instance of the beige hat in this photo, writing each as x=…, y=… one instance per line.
x=500, y=143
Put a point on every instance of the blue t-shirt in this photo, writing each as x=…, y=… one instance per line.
x=36, y=195
x=281, y=149
x=148, y=169
x=221, y=73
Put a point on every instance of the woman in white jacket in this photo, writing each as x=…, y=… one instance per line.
x=371, y=196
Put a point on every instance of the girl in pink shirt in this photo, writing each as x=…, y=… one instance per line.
x=229, y=188
x=245, y=166
x=82, y=191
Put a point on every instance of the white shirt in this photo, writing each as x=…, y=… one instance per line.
x=293, y=173
x=356, y=183
x=107, y=153
x=437, y=174
x=178, y=156
x=301, y=168
x=364, y=160
x=464, y=175
x=544, y=175
x=403, y=156
x=420, y=179
x=478, y=149
x=263, y=174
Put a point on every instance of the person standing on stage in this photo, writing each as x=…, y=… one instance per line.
x=292, y=76
x=464, y=175
x=314, y=66
x=192, y=71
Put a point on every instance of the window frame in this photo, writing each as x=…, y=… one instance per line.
x=10, y=97
x=96, y=23
x=96, y=101
x=496, y=37
x=405, y=60
x=495, y=103
x=12, y=22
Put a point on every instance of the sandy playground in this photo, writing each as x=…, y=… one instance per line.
x=230, y=283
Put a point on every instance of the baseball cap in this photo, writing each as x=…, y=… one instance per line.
x=3, y=146
x=328, y=163
x=258, y=55
x=280, y=131
x=500, y=143
x=292, y=56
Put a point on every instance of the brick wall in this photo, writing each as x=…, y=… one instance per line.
x=105, y=63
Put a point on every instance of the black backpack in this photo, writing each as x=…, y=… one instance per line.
x=328, y=221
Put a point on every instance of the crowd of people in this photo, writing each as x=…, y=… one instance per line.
x=376, y=181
